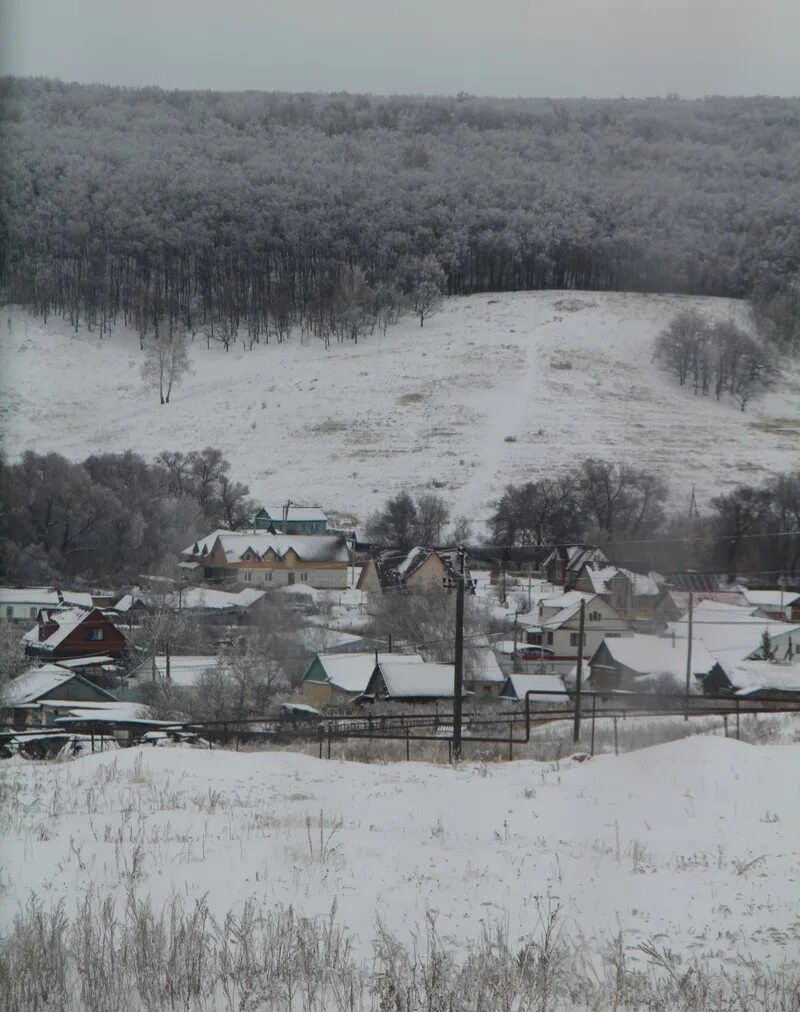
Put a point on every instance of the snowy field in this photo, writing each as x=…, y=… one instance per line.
x=681, y=854
x=417, y=409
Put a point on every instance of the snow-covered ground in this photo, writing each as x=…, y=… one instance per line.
x=422, y=409
x=693, y=846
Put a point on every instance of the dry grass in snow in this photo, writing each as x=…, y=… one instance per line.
x=665, y=878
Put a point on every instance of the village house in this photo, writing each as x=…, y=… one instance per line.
x=41, y=694
x=63, y=633
x=554, y=624
x=633, y=595
x=762, y=680
x=229, y=607
x=781, y=605
x=483, y=675
x=564, y=564
x=24, y=604
x=332, y=679
x=546, y=690
x=271, y=560
x=290, y=519
x=733, y=634
x=641, y=663
x=672, y=602
x=420, y=569
x=411, y=683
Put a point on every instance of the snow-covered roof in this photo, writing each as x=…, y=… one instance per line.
x=308, y=547
x=483, y=667
x=65, y=620
x=206, y=598
x=563, y=608
x=38, y=597
x=680, y=598
x=773, y=599
x=731, y=634
x=77, y=599
x=34, y=683
x=642, y=584
x=303, y=708
x=409, y=561
x=295, y=513
x=184, y=670
x=110, y=711
x=352, y=672
x=569, y=599
x=405, y=681
x=316, y=636
x=84, y=662
x=656, y=655
x=749, y=676
x=520, y=684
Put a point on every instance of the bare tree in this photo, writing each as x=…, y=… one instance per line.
x=165, y=364
x=424, y=280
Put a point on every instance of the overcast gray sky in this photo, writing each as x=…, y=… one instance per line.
x=506, y=47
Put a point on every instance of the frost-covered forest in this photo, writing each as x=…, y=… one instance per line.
x=250, y=213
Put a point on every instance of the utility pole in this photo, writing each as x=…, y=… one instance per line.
x=689, y=657
x=458, y=680
x=576, y=730
x=169, y=673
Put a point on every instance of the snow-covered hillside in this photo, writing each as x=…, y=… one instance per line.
x=567, y=374
x=691, y=846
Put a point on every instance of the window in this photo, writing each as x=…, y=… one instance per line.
x=247, y=576
x=267, y=576
x=573, y=639
x=612, y=636
x=303, y=577
x=595, y=616
x=93, y=634
x=550, y=639
x=33, y=612
x=535, y=638
x=10, y=611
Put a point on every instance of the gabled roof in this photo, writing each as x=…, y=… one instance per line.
x=517, y=685
x=642, y=584
x=34, y=683
x=680, y=598
x=732, y=634
x=394, y=568
x=750, y=676
x=772, y=599
x=575, y=557
x=204, y=598
x=415, y=681
x=308, y=547
x=657, y=655
x=352, y=672
x=39, y=597
x=483, y=667
x=565, y=608
x=66, y=621
x=294, y=513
